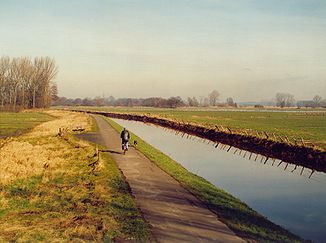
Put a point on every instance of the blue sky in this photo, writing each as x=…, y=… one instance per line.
x=246, y=49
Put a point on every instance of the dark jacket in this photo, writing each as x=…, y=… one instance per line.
x=125, y=136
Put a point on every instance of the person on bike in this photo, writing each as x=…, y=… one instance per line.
x=125, y=136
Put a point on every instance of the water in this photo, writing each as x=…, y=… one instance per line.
x=287, y=198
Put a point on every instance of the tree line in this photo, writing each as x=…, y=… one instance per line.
x=27, y=83
x=172, y=102
x=288, y=100
x=212, y=99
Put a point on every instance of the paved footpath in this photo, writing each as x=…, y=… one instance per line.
x=174, y=213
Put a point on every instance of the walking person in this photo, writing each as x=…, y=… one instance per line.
x=125, y=136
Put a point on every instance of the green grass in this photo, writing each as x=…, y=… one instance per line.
x=12, y=123
x=243, y=220
x=69, y=202
x=307, y=125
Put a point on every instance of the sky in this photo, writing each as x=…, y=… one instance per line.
x=245, y=49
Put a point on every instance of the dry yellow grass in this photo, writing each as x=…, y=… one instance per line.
x=65, y=119
x=28, y=154
x=48, y=193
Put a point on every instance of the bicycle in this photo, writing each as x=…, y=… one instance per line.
x=125, y=147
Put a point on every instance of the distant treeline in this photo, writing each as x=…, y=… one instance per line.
x=288, y=100
x=172, y=102
x=27, y=83
x=282, y=100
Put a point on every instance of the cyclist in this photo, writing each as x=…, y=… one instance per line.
x=125, y=136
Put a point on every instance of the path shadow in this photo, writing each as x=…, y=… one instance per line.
x=96, y=138
x=111, y=151
x=92, y=137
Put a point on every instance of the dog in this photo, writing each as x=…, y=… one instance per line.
x=135, y=143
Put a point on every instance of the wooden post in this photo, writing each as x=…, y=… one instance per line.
x=313, y=145
x=302, y=170
x=287, y=139
x=257, y=134
x=245, y=154
x=286, y=166
x=303, y=143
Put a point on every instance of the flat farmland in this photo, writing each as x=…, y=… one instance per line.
x=12, y=123
x=309, y=125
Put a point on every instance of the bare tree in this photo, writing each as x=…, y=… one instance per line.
x=317, y=99
x=193, y=101
x=26, y=72
x=213, y=97
x=54, y=91
x=4, y=73
x=174, y=102
x=284, y=100
x=25, y=83
x=230, y=102
x=44, y=71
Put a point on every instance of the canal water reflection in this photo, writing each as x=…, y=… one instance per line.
x=290, y=199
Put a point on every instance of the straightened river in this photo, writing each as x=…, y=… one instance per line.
x=294, y=201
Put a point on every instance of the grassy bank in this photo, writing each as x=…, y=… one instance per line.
x=311, y=126
x=238, y=216
x=49, y=191
x=13, y=123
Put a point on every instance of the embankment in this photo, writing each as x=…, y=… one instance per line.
x=311, y=158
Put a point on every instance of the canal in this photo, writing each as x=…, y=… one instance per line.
x=282, y=192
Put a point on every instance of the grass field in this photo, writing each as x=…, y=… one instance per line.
x=311, y=126
x=13, y=123
x=48, y=191
x=237, y=215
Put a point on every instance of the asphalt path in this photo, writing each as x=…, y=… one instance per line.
x=173, y=212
